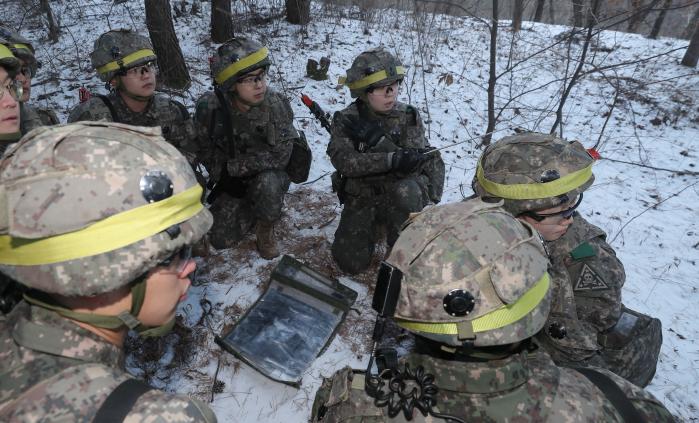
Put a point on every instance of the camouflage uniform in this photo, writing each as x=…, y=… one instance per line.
x=465, y=267
x=585, y=326
x=256, y=153
x=51, y=368
x=31, y=117
x=109, y=52
x=374, y=193
x=629, y=346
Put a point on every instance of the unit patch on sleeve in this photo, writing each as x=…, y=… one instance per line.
x=589, y=280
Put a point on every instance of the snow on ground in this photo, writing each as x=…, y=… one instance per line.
x=651, y=215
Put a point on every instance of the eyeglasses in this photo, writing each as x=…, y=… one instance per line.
x=13, y=88
x=253, y=79
x=141, y=70
x=178, y=261
x=562, y=215
x=385, y=91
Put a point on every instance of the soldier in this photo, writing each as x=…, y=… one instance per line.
x=377, y=147
x=246, y=140
x=10, y=93
x=125, y=61
x=32, y=117
x=122, y=263
x=541, y=179
x=471, y=284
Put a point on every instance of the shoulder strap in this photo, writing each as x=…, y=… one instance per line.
x=614, y=394
x=110, y=106
x=183, y=109
x=122, y=399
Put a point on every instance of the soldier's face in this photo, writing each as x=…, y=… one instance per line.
x=166, y=286
x=9, y=108
x=382, y=99
x=251, y=87
x=551, y=228
x=24, y=76
x=139, y=81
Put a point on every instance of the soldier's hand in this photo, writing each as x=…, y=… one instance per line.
x=406, y=160
x=364, y=133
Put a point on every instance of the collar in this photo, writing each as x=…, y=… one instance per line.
x=45, y=331
x=476, y=377
x=120, y=104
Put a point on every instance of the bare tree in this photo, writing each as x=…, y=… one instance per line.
x=493, y=77
x=221, y=23
x=689, y=30
x=54, y=29
x=639, y=12
x=692, y=55
x=173, y=70
x=658, y=24
x=578, y=8
x=539, y=11
x=517, y=12
x=298, y=11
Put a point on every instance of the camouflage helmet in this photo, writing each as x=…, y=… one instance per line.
x=8, y=60
x=118, y=50
x=532, y=171
x=235, y=58
x=21, y=47
x=373, y=68
x=472, y=275
x=90, y=207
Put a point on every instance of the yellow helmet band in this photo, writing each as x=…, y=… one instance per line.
x=125, y=61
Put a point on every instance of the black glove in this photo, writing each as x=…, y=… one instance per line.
x=364, y=133
x=406, y=160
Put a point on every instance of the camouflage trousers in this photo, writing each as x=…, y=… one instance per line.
x=263, y=200
x=356, y=235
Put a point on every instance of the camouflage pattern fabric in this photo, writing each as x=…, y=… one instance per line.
x=31, y=118
x=518, y=388
x=630, y=347
x=232, y=51
x=371, y=186
x=233, y=217
x=263, y=141
x=53, y=370
x=116, y=45
x=171, y=116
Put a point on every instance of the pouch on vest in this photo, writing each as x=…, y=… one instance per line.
x=300, y=161
x=291, y=323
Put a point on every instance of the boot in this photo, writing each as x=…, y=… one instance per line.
x=266, y=244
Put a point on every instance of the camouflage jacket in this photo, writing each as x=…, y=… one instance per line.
x=52, y=370
x=31, y=117
x=518, y=388
x=587, y=280
x=370, y=168
x=172, y=117
x=261, y=139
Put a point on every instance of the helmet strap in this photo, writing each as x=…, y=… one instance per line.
x=12, y=137
x=125, y=318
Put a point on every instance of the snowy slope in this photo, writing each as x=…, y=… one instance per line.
x=650, y=215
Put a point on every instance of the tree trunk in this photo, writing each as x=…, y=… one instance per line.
x=173, y=70
x=517, y=12
x=692, y=55
x=298, y=11
x=493, y=77
x=639, y=13
x=54, y=29
x=659, y=20
x=539, y=12
x=221, y=23
x=578, y=8
x=689, y=30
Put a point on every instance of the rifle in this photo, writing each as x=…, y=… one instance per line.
x=235, y=187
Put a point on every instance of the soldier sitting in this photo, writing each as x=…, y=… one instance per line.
x=125, y=61
x=32, y=117
x=246, y=140
x=471, y=283
x=541, y=179
x=123, y=262
x=378, y=147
